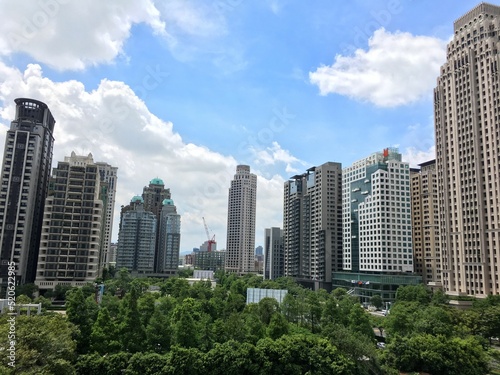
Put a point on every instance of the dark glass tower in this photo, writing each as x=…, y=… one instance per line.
x=24, y=182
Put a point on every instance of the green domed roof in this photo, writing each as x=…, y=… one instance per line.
x=168, y=202
x=156, y=181
x=137, y=198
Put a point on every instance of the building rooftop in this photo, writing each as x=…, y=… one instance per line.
x=137, y=198
x=156, y=181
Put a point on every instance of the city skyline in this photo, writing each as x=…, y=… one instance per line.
x=187, y=91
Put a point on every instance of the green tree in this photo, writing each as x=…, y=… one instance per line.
x=82, y=312
x=376, y=301
x=359, y=349
x=437, y=355
x=132, y=332
x=278, y=326
x=267, y=308
x=414, y=293
x=43, y=344
x=104, y=336
x=299, y=354
x=359, y=322
x=60, y=291
x=27, y=289
x=146, y=364
x=185, y=324
x=185, y=361
x=158, y=332
x=233, y=357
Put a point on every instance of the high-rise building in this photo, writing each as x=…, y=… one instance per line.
x=25, y=176
x=274, y=256
x=312, y=225
x=136, y=239
x=468, y=155
x=209, y=260
x=154, y=194
x=425, y=219
x=170, y=238
x=108, y=176
x=73, y=225
x=240, y=244
x=377, y=214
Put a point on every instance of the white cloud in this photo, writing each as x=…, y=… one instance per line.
x=274, y=155
x=397, y=69
x=117, y=127
x=70, y=34
x=416, y=156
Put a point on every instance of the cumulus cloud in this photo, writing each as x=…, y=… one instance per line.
x=72, y=35
x=417, y=156
x=115, y=125
x=275, y=155
x=397, y=69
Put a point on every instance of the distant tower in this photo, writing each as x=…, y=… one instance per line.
x=136, y=239
x=240, y=245
x=153, y=196
x=170, y=237
x=425, y=223
x=72, y=225
x=108, y=176
x=274, y=256
x=312, y=225
x=25, y=176
x=466, y=110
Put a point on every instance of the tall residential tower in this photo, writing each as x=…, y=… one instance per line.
x=25, y=176
x=466, y=105
x=240, y=244
x=73, y=224
x=312, y=225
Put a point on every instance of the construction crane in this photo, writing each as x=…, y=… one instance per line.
x=210, y=240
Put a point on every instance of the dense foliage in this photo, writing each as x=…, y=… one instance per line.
x=183, y=329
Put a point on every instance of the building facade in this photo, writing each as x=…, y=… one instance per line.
x=377, y=233
x=153, y=195
x=136, y=239
x=425, y=223
x=25, y=176
x=170, y=238
x=274, y=255
x=213, y=260
x=242, y=200
x=312, y=225
x=108, y=175
x=468, y=155
x=73, y=225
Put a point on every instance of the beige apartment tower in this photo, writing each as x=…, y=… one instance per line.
x=467, y=111
x=425, y=223
x=240, y=245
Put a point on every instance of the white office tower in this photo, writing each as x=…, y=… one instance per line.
x=377, y=214
x=240, y=245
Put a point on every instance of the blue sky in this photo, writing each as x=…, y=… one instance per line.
x=185, y=90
